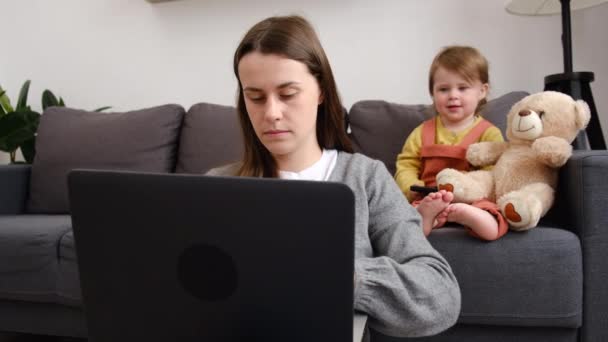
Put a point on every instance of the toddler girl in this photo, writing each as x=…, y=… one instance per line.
x=458, y=83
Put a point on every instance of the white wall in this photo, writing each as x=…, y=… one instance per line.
x=131, y=54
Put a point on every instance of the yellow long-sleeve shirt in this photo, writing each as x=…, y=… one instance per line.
x=409, y=162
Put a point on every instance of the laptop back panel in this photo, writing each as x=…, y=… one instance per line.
x=165, y=257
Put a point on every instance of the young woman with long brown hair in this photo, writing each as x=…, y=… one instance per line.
x=292, y=121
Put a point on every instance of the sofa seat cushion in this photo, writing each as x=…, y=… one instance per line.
x=68, y=285
x=141, y=140
x=531, y=278
x=29, y=267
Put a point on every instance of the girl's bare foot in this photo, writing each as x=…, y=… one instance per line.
x=478, y=220
x=441, y=219
x=431, y=206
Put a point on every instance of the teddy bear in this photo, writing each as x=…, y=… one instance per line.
x=540, y=130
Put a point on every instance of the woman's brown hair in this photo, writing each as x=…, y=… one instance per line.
x=292, y=37
x=466, y=61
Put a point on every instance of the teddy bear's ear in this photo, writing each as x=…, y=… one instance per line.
x=583, y=114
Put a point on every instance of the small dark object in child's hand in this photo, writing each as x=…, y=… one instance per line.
x=423, y=189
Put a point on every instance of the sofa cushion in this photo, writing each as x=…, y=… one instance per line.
x=29, y=247
x=531, y=278
x=68, y=283
x=379, y=128
x=141, y=140
x=210, y=137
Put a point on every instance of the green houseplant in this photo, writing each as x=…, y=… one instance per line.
x=18, y=125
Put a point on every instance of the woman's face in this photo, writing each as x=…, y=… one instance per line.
x=281, y=97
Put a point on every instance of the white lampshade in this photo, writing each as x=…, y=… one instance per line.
x=547, y=7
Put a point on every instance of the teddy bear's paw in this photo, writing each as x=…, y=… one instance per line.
x=450, y=180
x=553, y=151
x=521, y=213
x=447, y=187
x=459, y=184
x=476, y=154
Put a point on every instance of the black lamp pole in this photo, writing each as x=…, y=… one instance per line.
x=576, y=84
x=566, y=36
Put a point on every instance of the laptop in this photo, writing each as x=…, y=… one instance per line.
x=173, y=257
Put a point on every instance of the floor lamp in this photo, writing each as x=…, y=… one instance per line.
x=575, y=84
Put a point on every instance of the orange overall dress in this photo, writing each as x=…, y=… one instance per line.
x=436, y=157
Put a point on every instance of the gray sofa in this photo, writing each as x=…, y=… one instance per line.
x=546, y=284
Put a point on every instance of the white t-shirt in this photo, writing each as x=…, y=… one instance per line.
x=318, y=171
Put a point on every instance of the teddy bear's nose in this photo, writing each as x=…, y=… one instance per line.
x=525, y=112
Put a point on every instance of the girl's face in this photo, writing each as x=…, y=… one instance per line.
x=454, y=97
x=281, y=97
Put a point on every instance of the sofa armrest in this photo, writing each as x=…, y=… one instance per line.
x=582, y=194
x=14, y=186
x=582, y=201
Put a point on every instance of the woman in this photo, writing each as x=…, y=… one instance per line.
x=293, y=127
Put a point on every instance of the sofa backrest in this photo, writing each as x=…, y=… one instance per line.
x=159, y=139
x=210, y=137
x=142, y=140
x=165, y=138
x=379, y=128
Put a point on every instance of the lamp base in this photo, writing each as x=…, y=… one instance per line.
x=576, y=84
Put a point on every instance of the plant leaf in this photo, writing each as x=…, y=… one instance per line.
x=14, y=130
x=9, y=123
x=101, y=109
x=33, y=119
x=5, y=102
x=2, y=112
x=22, y=101
x=48, y=99
x=28, y=149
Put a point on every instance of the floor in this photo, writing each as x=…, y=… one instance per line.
x=12, y=337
